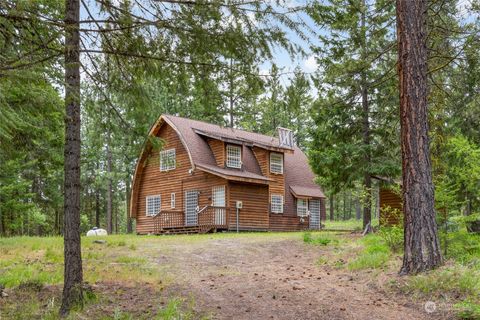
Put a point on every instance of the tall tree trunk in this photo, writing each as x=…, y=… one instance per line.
x=332, y=209
x=231, y=94
x=109, y=186
x=97, y=201
x=367, y=180
x=422, y=247
x=358, y=209
x=129, y=219
x=73, y=274
x=97, y=208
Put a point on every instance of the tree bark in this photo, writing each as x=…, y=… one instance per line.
x=358, y=209
x=73, y=274
x=97, y=201
x=129, y=219
x=367, y=180
x=332, y=209
x=109, y=186
x=231, y=93
x=422, y=247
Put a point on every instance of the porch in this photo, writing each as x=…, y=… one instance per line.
x=205, y=220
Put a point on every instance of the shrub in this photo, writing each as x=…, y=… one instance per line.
x=374, y=255
x=393, y=237
x=322, y=240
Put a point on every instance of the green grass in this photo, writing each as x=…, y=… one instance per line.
x=468, y=309
x=374, y=255
x=351, y=224
x=322, y=239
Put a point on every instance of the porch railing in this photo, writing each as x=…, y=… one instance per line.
x=168, y=219
x=208, y=217
x=213, y=217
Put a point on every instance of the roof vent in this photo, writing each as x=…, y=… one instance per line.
x=285, y=137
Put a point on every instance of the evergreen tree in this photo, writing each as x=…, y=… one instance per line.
x=354, y=114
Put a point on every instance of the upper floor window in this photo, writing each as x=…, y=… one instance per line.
x=154, y=204
x=276, y=203
x=302, y=207
x=167, y=160
x=234, y=156
x=276, y=162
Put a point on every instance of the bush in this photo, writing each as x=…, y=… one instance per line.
x=374, y=255
x=468, y=310
x=393, y=237
x=320, y=240
x=463, y=247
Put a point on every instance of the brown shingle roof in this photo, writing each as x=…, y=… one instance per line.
x=298, y=175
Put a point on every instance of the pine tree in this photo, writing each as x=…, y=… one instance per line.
x=354, y=114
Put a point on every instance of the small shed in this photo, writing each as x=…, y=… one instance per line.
x=391, y=203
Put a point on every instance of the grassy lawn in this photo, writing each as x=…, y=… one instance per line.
x=31, y=267
x=129, y=273
x=352, y=224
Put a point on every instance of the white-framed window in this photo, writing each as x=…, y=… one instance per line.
x=302, y=207
x=154, y=203
x=276, y=162
x=276, y=203
x=167, y=160
x=218, y=196
x=234, y=156
x=172, y=200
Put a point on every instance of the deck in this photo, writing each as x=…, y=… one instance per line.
x=205, y=220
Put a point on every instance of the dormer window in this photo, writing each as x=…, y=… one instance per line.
x=276, y=163
x=234, y=156
x=167, y=160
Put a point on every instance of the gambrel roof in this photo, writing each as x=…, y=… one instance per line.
x=299, y=179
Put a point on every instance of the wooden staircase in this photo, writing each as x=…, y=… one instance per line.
x=187, y=230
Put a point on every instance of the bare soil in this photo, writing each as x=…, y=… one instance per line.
x=250, y=276
x=275, y=278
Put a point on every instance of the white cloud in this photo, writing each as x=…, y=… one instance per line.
x=310, y=64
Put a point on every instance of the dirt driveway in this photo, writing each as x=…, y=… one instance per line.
x=276, y=277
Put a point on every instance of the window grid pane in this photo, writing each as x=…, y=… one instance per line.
x=172, y=200
x=154, y=204
x=302, y=207
x=276, y=163
x=218, y=196
x=167, y=160
x=234, y=156
x=277, y=203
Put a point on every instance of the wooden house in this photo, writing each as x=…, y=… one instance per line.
x=390, y=202
x=207, y=178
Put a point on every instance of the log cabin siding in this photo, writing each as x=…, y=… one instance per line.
x=163, y=183
x=203, y=183
x=218, y=150
x=277, y=185
x=254, y=214
x=282, y=222
x=203, y=154
x=390, y=200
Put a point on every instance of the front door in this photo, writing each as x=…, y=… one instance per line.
x=218, y=200
x=315, y=214
x=191, y=204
